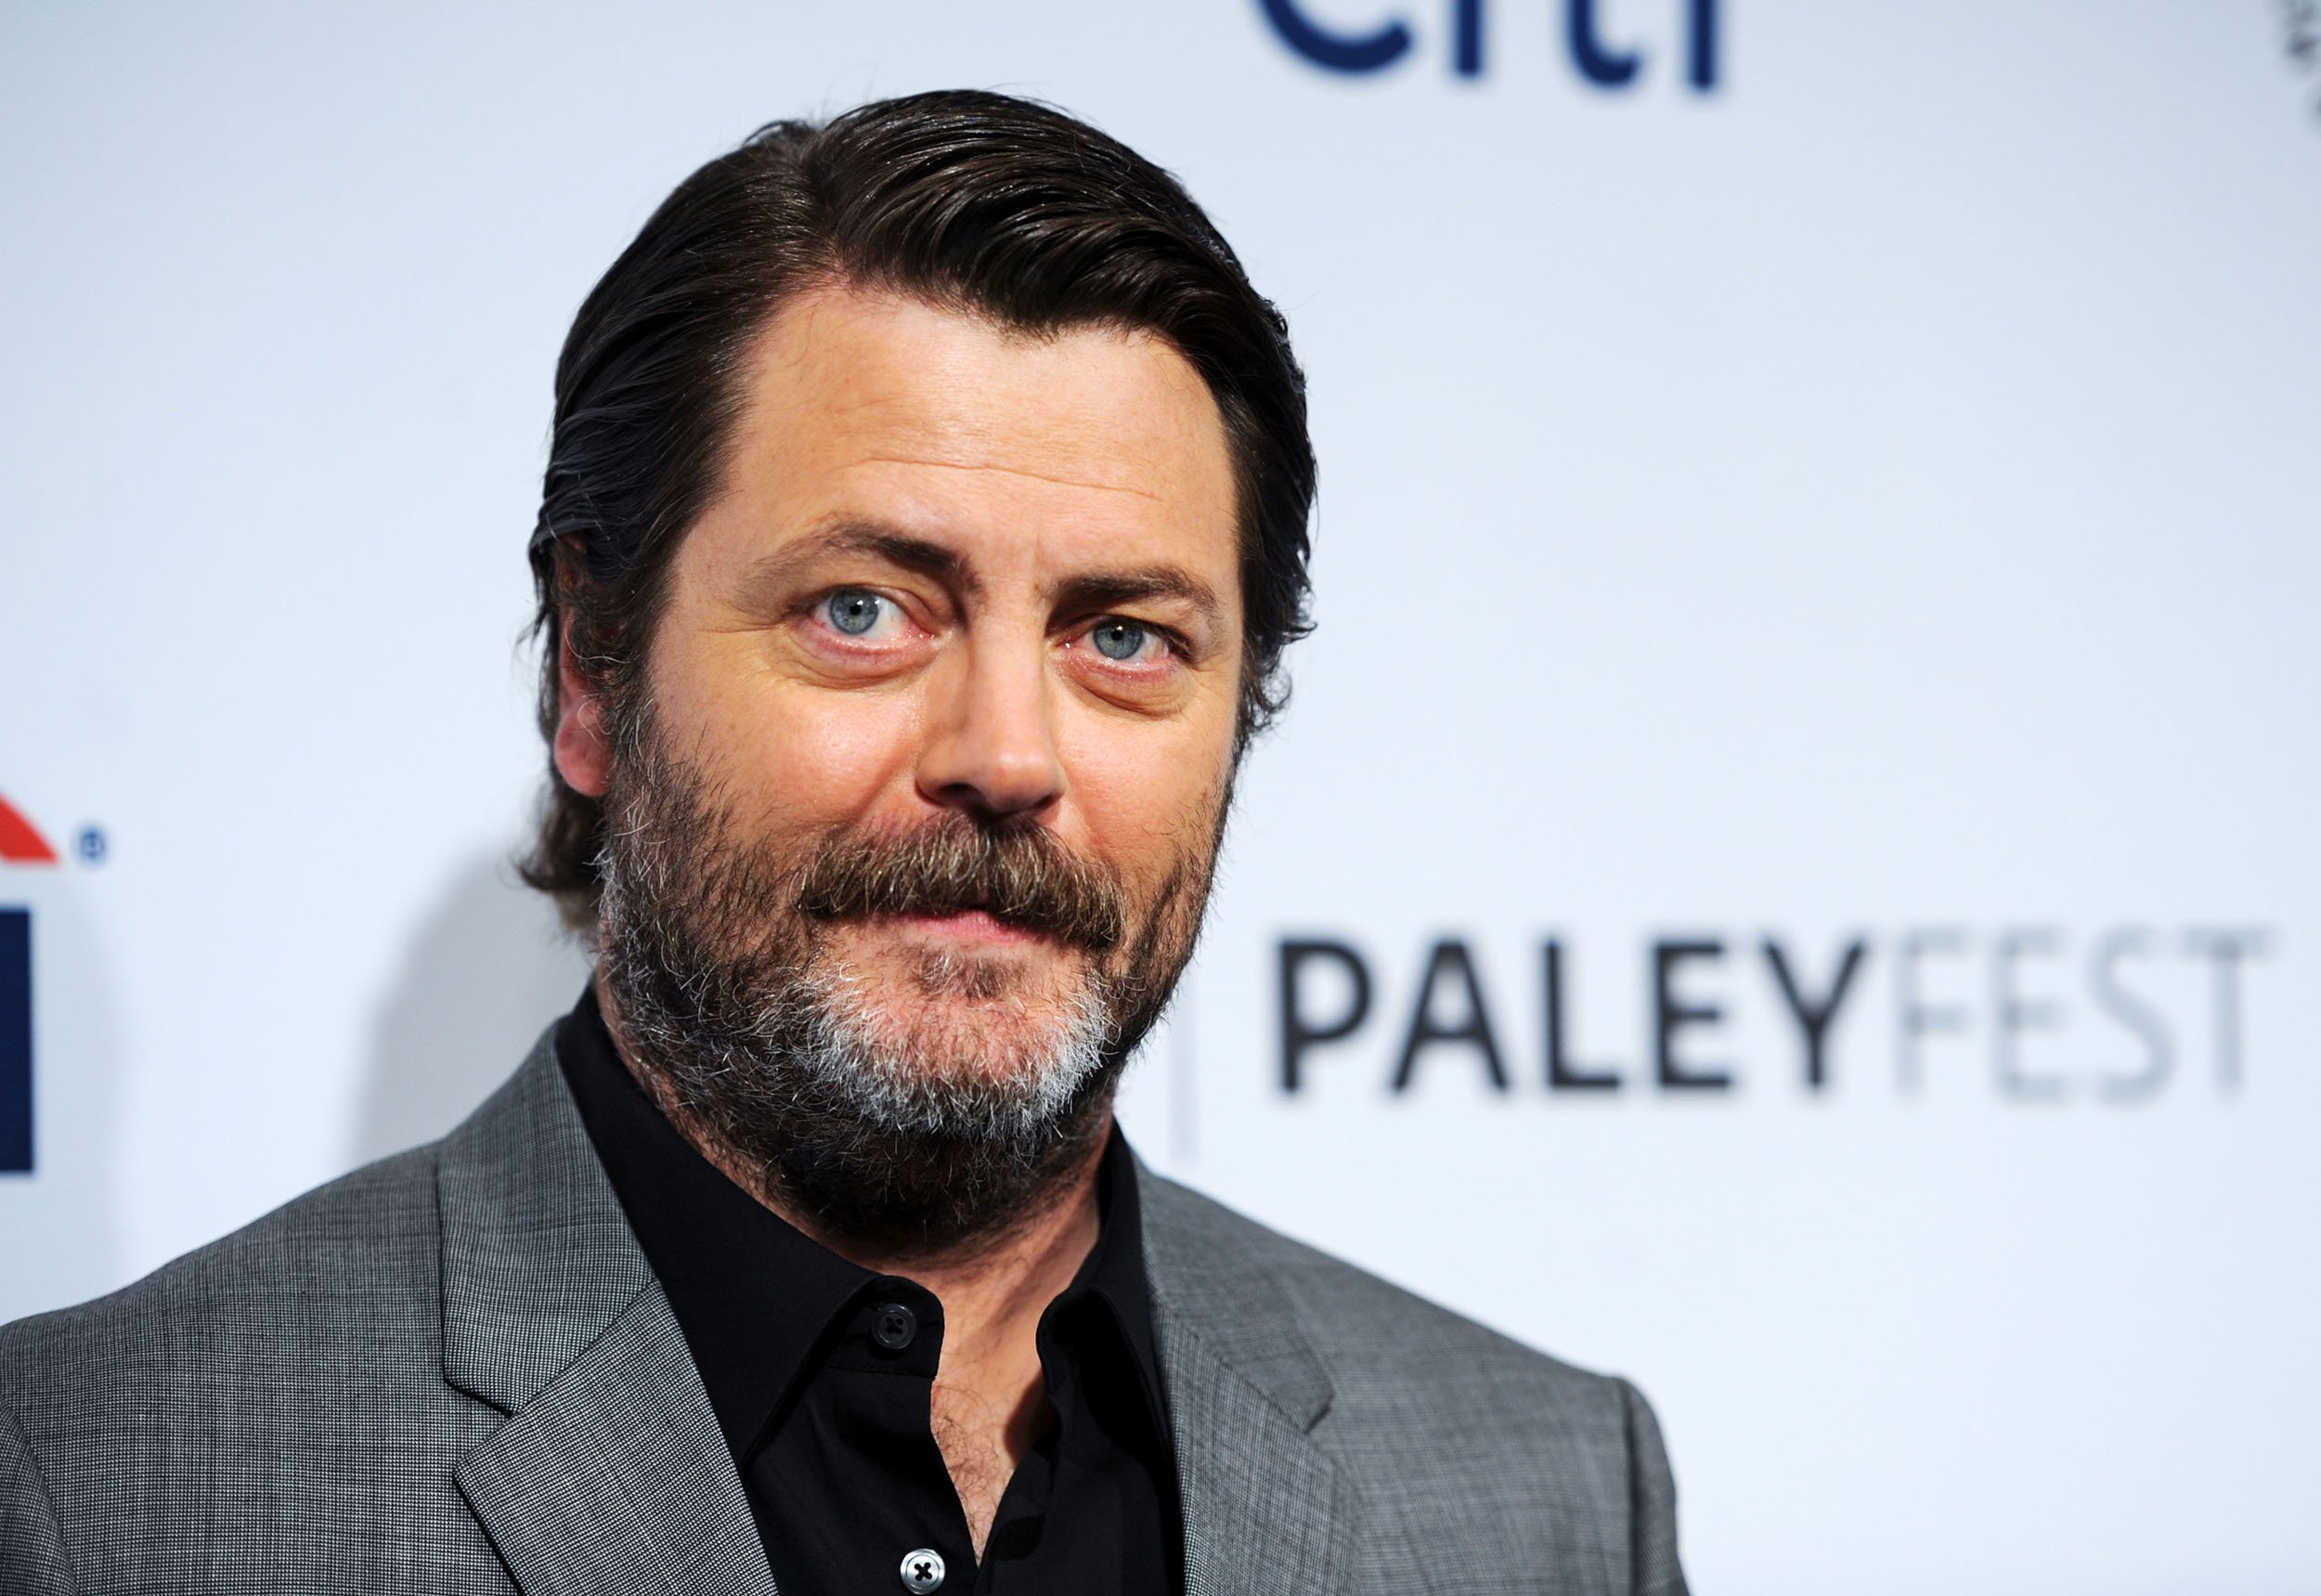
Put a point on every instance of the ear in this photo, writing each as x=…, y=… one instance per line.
x=584, y=753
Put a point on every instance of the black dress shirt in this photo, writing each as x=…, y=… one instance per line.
x=820, y=1374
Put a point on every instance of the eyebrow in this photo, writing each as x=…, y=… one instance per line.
x=1106, y=589
x=1099, y=589
x=865, y=538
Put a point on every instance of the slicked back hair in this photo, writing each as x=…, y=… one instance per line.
x=996, y=207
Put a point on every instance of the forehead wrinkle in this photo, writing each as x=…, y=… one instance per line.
x=1012, y=471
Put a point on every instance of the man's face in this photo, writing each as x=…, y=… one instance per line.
x=959, y=583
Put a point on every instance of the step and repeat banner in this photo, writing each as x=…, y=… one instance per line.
x=1791, y=872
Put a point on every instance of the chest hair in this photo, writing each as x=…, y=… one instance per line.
x=973, y=1437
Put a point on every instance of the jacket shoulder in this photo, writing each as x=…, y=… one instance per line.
x=1363, y=1328
x=1453, y=1432
x=351, y=1262
x=268, y=1412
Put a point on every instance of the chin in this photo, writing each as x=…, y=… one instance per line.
x=955, y=1040
x=952, y=983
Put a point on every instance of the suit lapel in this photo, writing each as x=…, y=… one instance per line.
x=611, y=1473
x=615, y=1477
x=1265, y=1506
x=1266, y=1509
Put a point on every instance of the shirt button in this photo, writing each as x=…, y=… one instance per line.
x=895, y=1326
x=922, y=1571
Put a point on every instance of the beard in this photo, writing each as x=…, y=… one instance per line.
x=906, y=1114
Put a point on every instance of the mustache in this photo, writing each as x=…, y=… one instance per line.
x=1023, y=874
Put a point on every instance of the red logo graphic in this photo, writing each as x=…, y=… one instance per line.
x=19, y=843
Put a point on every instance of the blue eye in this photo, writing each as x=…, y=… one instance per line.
x=853, y=611
x=1118, y=639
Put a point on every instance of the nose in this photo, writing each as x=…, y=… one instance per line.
x=991, y=752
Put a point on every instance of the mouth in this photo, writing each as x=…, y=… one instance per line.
x=973, y=928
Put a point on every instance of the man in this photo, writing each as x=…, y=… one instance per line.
x=923, y=528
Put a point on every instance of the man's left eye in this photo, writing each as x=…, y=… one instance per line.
x=1125, y=641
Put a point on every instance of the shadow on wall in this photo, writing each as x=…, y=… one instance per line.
x=487, y=970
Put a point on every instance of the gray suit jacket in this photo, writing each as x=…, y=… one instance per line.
x=453, y=1370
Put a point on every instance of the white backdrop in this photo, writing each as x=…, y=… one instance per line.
x=1870, y=500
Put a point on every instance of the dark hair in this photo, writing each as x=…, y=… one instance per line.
x=994, y=206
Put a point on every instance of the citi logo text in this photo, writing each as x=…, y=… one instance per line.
x=1601, y=59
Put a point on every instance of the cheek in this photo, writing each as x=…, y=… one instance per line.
x=1147, y=799
x=790, y=758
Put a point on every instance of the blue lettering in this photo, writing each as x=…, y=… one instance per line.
x=15, y=1040
x=1599, y=63
x=1339, y=54
x=1467, y=38
x=1605, y=68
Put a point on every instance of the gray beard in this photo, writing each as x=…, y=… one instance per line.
x=903, y=1144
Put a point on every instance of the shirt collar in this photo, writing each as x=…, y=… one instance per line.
x=758, y=1298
